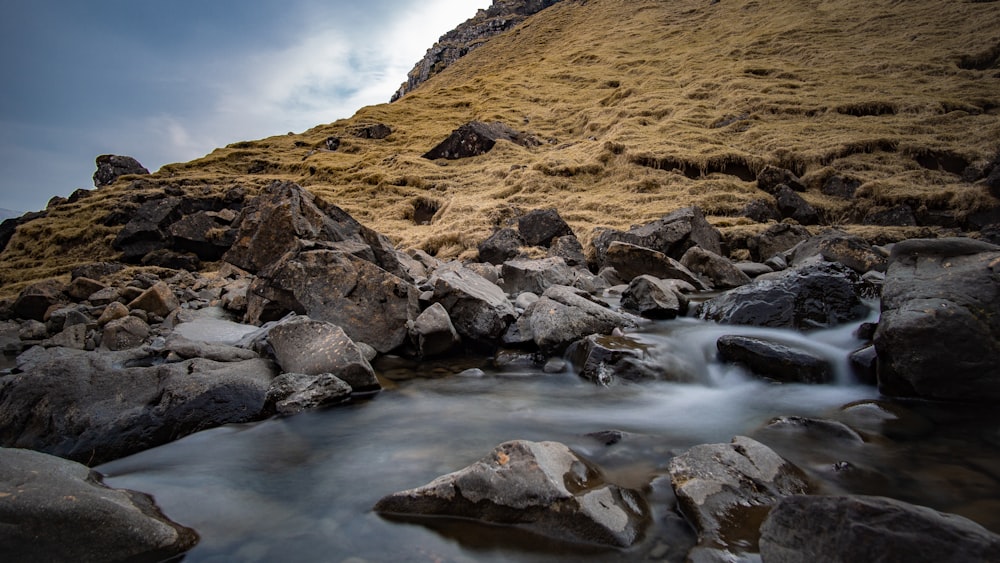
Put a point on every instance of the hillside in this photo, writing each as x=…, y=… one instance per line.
x=642, y=107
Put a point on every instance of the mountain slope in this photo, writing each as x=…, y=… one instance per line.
x=643, y=106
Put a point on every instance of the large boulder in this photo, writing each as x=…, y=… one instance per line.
x=564, y=315
x=631, y=260
x=476, y=138
x=478, y=308
x=208, y=234
x=542, y=486
x=273, y=224
x=93, y=407
x=312, y=347
x=604, y=359
x=502, y=245
x=541, y=226
x=372, y=305
x=111, y=166
x=535, y=275
x=846, y=529
x=717, y=271
x=815, y=296
x=433, y=332
x=794, y=206
x=726, y=490
x=672, y=235
x=52, y=509
x=38, y=298
x=292, y=393
x=939, y=333
x=836, y=246
x=773, y=360
x=653, y=298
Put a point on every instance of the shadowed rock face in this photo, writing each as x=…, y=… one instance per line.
x=110, y=167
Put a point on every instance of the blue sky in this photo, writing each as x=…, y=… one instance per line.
x=170, y=81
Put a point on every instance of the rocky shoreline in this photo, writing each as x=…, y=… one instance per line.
x=119, y=360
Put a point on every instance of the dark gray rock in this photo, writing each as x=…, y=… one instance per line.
x=158, y=300
x=165, y=258
x=542, y=486
x=841, y=186
x=476, y=138
x=672, y=235
x=653, y=298
x=313, y=347
x=814, y=296
x=864, y=365
x=761, y=211
x=110, y=167
x=939, y=333
x=207, y=234
x=771, y=177
x=564, y=315
x=97, y=270
x=501, y=246
x=897, y=216
x=773, y=360
x=568, y=248
x=327, y=284
x=433, y=332
x=372, y=131
x=863, y=528
x=93, y=407
x=817, y=430
x=81, y=288
x=791, y=205
x=292, y=393
x=631, y=261
x=777, y=239
x=754, y=269
x=835, y=246
x=535, y=276
x=726, y=490
x=35, y=300
x=540, y=226
x=479, y=309
x=602, y=359
x=716, y=271
x=124, y=334
x=58, y=510
x=147, y=228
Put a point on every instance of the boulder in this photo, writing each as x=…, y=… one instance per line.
x=371, y=131
x=502, y=245
x=476, y=138
x=125, y=333
x=113, y=311
x=146, y=229
x=58, y=510
x=835, y=246
x=774, y=361
x=433, y=332
x=292, y=393
x=273, y=224
x=777, y=239
x=726, y=490
x=81, y=288
x=541, y=486
x=631, y=261
x=541, y=226
x=36, y=299
x=371, y=304
x=761, y=211
x=96, y=270
x=206, y=234
x=840, y=186
x=653, y=298
x=94, y=407
x=815, y=296
x=568, y=248
x=939, y=333
x=846, y=529
x=158, y=300
x=563, y=315
x=313, y=347
x=535, y=275
x=772, y=177
x=602, y=359
x=791, y=205
x=479, y=309
x=111, y=166
x=166, y=258
x=672, y=235
x=716, y=271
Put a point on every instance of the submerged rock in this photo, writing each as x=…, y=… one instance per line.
x=602, y=359
x=52, y=509
x=542, y=486
x=773, y=360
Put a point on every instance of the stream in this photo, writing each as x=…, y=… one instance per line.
x=301, y=488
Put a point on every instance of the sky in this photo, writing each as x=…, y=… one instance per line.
x=170, y=81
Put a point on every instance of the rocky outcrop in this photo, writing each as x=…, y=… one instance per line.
x=939, y=333
x=502, y=16
x=542, y=486
x=57, y=510
x=110, y=167
x=476, y=138
x=846, y=529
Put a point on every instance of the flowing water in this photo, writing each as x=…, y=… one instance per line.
x=301, y=488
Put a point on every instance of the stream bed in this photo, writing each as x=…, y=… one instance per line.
x=301, y=488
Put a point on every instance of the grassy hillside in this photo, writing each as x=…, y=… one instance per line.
x=644, y=106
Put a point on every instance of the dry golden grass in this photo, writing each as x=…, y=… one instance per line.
x=644, y=106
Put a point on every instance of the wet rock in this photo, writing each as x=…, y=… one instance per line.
x=888, y=419
x=542, y=486
x=371, y=304
x=476, y=138
x=292, y=393
x=603, y=359
x=36, y=299
x=631, y=261
x=284, y=214
x=864, y=365
x=793, y=206
x=814, y=296
x=835, y=246
x=568, y=248
x=562, y=316
x=939, y=332
x=771, y=178
x=124, y=334
x=92, y=407
x=815, y=429
x=672, y=235
x=535, y=276
x=753, y=269
x=433, y=332
x=110, y=167
x=479, y=309
x=653, y=298
x=501, y=246
x=58, y=510
x=715, y=270
x=774, y=361
x=158, y=300
x=726, y=490
x=776, y=239
x=864, y=528
x=314, y=347
x=541, y=226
